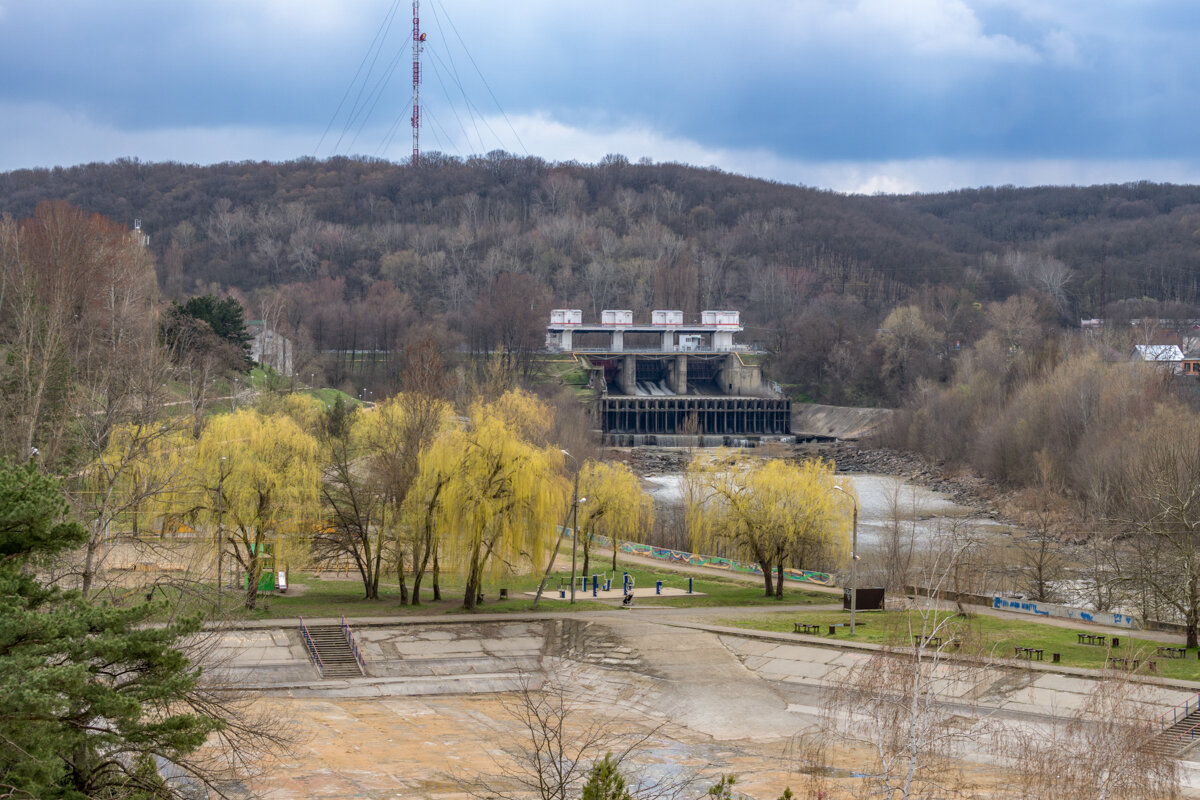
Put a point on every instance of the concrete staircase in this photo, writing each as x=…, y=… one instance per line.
x=1177, y=738
x=337, y=659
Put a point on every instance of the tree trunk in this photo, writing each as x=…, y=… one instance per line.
x=779, y=581
x=472, y=589
x=587, y=553
x=378, y=567
x=765, y=566
x=400, y=576
x=252, y=571
x=364, y=572
x=1193, y=613
x=437, y=575
x=419, y=571
x=89, y=563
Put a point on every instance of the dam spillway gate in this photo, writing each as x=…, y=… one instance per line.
x=737, y=416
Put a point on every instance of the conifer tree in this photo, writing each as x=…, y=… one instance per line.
x=92, y=700
x=604, y=782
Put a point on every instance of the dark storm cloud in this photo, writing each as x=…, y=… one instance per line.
x=753, y=86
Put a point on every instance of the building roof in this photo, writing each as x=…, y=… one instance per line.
x=1158, y=352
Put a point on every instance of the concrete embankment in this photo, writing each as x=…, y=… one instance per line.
x=438, y=698
x=836, y=422
x=688, y=669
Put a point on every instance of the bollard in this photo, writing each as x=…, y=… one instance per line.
x=595, y=584
x=1116, y=642
x=832, y=630
x=658, y=587
x=690, y=591
x=1055, y=657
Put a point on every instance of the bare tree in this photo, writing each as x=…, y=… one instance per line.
x=355, y=528
x=1159, y=504
x=560, y=742
x=1101, y=752
x=904, y=704
x=900, y=536
x=1042, y=272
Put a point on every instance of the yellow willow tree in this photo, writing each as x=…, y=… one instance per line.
x=616, y=506
x=268, y=474
x=775, y=513
x=500, y=488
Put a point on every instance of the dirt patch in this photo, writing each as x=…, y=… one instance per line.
x=428, y=747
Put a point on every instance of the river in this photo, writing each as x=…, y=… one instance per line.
x=888, y=507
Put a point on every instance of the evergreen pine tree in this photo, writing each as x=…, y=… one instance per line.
x=604, y=782
x=92, y=701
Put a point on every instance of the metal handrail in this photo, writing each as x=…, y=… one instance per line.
x=312, y=646
x=1188, y=708
x=349, y=634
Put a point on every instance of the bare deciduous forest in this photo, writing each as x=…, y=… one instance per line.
x=357, y=256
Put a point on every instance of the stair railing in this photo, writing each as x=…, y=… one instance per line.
x=362, y=664
x=312, y=647
x=1192, y=732
x=1181, y=711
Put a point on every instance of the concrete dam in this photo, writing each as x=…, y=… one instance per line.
x=671, y=382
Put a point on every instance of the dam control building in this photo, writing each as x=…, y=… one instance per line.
x=671, y=381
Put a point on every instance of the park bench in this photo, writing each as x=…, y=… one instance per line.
x=1172, y=652
x=919, y=640
x=1092, y=638
x=1130, y=664
x=1029, y=653
x=805, y=627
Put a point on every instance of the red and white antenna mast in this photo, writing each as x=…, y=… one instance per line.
x=418, y=39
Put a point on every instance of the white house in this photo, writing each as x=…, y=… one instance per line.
x=1169, y=355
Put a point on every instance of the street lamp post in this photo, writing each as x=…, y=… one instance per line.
x=853, y=558
x=574, y=528
x=220, y=530
x=573, y=509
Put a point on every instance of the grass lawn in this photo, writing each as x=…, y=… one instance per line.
x=312, y=596
x=985, y=635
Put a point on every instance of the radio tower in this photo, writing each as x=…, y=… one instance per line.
x=418, y=38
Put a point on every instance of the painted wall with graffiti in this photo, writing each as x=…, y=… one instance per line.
x=1066, y=612
x=715, y=562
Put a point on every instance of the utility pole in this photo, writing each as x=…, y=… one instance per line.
x=418, y=39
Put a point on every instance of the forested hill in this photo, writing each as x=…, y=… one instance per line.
x=432, y=242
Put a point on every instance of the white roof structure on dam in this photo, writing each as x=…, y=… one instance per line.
x=713, y=333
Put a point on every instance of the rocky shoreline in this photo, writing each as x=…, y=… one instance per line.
x=962, y=489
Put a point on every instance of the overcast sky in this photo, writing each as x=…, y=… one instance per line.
x=852, y=95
